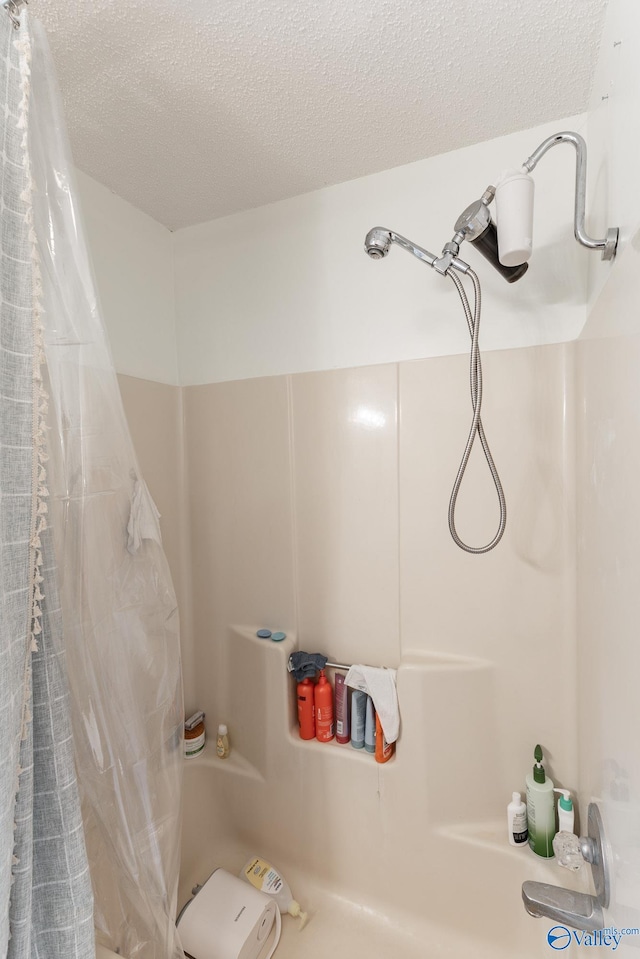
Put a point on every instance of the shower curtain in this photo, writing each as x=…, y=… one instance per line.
x=90, y=683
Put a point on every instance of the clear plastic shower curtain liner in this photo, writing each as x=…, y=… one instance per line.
x=75, y=522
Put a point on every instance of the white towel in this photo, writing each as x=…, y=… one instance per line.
x=380, y=684
x=143, y=519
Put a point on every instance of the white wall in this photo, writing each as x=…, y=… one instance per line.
x=133, y=264
x=608, y=374
x=288, y=288
x=614, y=136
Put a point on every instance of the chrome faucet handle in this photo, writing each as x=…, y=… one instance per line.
x=588, y=849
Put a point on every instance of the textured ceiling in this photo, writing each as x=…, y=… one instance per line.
x=192, y=109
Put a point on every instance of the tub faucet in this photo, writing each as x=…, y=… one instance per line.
x=575, y=909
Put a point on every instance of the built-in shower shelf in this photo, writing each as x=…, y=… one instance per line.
x=441, y=661
x=490, y=837
x=343, y=751
x=234, y=764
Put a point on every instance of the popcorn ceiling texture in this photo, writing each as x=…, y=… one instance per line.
x=193, y=110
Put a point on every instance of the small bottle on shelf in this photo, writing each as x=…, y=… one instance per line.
x=370, y=726
x=194, y=735
x=343, y=734
x=306, y=710
x=517, y=821
x=384, y=750
x=222, y=742
x=323, y=703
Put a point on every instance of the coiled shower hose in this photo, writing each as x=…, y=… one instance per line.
x=475, y=376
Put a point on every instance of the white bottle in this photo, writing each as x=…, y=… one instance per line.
x=517, y=821
x=565, y=811
x=261, y=874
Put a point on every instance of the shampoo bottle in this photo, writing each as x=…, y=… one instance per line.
x=384, y=750
x=323, y=703
x=541, y=813
x=306, y=714
x=370, y=727
x=517, y=821
x=358, y=709
x=342, y=709
x=265, y=877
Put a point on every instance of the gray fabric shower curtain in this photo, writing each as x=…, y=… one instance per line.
x=46, y=906
x=90, y=683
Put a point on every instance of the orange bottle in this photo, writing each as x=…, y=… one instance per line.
x=384, y=750
x=323, y=701
x=306, y=715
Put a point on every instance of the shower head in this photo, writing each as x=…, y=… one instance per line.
x=377, y=242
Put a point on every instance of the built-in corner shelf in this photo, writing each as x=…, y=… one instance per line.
x=490, y=837
x=234, y=764
x=487, y=835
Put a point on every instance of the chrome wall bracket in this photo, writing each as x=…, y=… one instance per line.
x=609, y=243
x=576, y=909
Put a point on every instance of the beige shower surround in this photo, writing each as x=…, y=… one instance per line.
x=316, y=503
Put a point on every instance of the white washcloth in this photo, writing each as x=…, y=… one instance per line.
x=143, y=519
x=380, y=684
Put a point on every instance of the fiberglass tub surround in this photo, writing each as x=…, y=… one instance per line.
x=409, y=839
x=374, y=853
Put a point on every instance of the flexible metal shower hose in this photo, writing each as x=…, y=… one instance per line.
x=475, y=374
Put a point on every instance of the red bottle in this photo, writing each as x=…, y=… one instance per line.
x=323, y=701
x=306, y=715
x=384, y=750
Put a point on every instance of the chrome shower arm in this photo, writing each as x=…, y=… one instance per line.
x=411, y=247
x=608, y=245
x=378, y=243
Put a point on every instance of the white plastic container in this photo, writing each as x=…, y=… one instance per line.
x=517, y=822
x=265, y=877
x=225, y=920
x=565, y=810
x=514, y=215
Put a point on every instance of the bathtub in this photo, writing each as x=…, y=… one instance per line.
x=387, y=859
x=104, y=953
